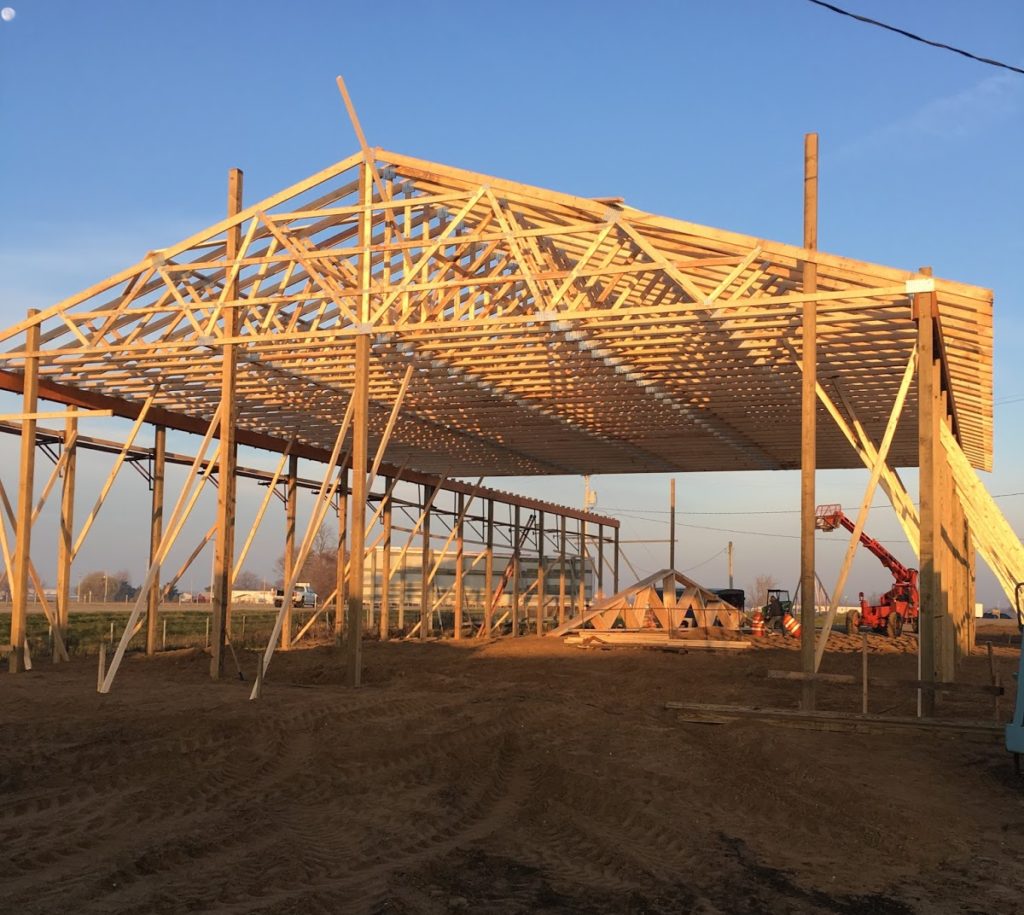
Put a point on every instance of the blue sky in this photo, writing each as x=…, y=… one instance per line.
x=120, y=120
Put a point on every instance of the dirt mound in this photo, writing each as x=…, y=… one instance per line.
x=515, y=776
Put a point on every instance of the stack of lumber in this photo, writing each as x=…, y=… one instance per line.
x=653, y=638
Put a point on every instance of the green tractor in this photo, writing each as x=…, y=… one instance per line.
x=778, y=605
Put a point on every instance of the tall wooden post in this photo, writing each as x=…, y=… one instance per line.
x=67, y=524
x=489, y=569
x=425, y=601
x=808, y=421
x=357, y=526
x=541, y=574
x=156, y=529
x=730, y=564
x=459, y=560
x=516, y=533
x=26, y=488
x=561, y=570
x=291, y=499
x=929, y=585
x=583, y=567
x=224, y=551
x=385, y=566
x=672, y=523
x=341, y=570
x=600, y=558
x=615, y=564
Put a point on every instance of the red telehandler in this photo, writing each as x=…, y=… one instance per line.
x=899, y=605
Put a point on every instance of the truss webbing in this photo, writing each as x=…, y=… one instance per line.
x=994, y=538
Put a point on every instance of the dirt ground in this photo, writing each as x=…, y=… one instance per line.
x=508, y=777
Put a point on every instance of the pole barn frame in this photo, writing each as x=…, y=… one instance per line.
x=546, y=334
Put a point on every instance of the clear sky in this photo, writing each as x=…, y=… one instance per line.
x=120, y=120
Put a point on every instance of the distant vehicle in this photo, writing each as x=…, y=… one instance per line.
x=997, y=615
x=302, y=596
x=734, y=597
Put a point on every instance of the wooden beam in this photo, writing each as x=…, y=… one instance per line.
x=341, y=592
x=156, y=532
x=489, y=570
x=291, y=498
x=808, y=420
x=224, y=549
x=385, y=566
x=67, y=526
x=357, y=561
x=541, y=574
x=429, y=494
x=460, y=541
x=927, y=435
x=516, y=564
x=26, y=485
x=561, y=571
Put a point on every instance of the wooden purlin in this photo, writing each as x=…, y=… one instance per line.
x=492, y=286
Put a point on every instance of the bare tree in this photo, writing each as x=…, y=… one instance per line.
x=321, y=566
x=759, y=590
x=248, y=580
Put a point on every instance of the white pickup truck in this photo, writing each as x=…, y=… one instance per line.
x=302, y=596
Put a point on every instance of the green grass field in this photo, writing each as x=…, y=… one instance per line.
x=176, y=628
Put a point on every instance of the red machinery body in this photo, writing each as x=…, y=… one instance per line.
x=900, y=604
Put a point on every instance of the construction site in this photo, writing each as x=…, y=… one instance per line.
x=493, y=711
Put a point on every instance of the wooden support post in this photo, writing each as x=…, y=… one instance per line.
x=864, y=674
x=600, y=558
x=561, y=570
x=459, y=557
x=65, y=538
x=489, y=570
x=341, y=591
x=385, y=567
x=927, y=443
x=360, y=446
x=425, y=579
x=541, y=574
x=156, y=532
x=808, y=421
x=26, y=485
x=516, y=534
x=291, y=500
x=224, y=548
x=583, y=567
x=672, y=524
x=615, y=565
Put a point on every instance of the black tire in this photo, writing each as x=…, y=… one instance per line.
x=894, y=625
x=853, y=622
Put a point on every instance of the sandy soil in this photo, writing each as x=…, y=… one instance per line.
x=518, y=776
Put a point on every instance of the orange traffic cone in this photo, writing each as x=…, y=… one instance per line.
x=757, y=624
x=791, y=625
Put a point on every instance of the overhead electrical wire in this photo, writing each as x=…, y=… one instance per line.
x=912, y=36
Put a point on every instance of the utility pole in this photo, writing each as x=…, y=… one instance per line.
x=730, y=565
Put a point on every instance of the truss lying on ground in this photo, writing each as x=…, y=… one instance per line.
x=681, y=604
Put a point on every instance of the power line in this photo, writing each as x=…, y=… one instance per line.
x=638, y=512
x=911, y=35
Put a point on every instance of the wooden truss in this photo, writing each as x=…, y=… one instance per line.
x=682, y=604
x=546, y=333
x=522, y=332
